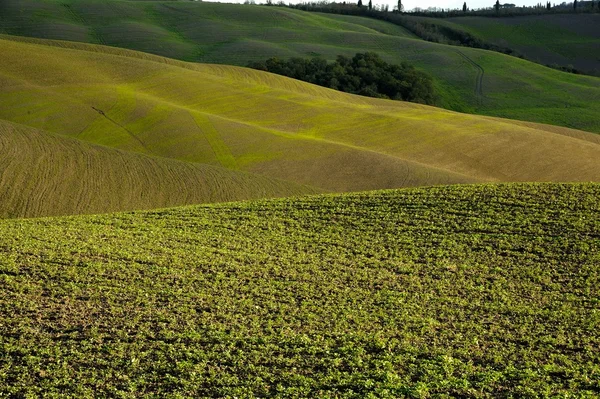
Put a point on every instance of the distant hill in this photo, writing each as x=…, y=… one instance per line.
x=257, y=122
x=466, y=80
x=42, y=174
x=561, y=40
x=485, y=291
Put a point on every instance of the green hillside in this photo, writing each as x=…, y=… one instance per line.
x=466, y=79
x=257, y=122
x=555, y=39
x=466, y=291
x=42, y=174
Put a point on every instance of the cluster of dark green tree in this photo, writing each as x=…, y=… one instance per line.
x=365, y=74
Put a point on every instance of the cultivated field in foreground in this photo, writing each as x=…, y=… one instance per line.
x=42, y=174
x=561, y=39
x=258, y=122
x=465, y=291
x=466, y=79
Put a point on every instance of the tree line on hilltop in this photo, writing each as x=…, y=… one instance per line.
x=494, y=10
x=364, y=74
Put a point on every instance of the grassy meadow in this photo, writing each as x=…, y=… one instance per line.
x=483, y=291
x=560, y=39
x=466, y=79
x=256, y=122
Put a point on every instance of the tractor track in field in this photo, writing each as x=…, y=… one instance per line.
x=479, y=79
x=129, y=132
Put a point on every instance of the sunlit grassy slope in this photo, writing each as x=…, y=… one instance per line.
x=257, y=122
x=469, y=80
x=42, y=174
x=464, y=291
x=561, y=39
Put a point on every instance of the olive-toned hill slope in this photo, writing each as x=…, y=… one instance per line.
x=42, y=174
x=253, y=121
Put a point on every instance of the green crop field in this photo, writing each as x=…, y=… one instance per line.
x=485, y=291
x=560, y=39
x=466, y=79
x=256, y=122
x=42, y=174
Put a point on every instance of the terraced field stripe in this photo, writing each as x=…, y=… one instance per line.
x=218, y=145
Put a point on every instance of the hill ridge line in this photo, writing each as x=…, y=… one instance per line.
x=348, y=145
x=216, y=71
x=300, y=136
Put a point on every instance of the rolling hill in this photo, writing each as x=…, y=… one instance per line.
x=465, y=291
x=559, y=39
x=257, y=122
x=453, y=290
x=466, y=79
x=42, y=174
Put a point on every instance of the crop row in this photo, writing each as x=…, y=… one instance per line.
x=465, y=291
